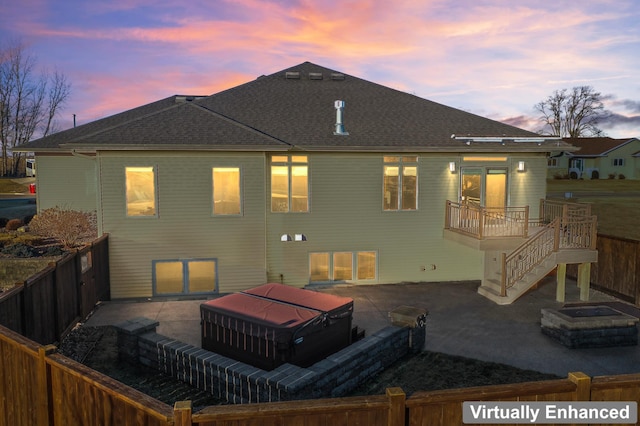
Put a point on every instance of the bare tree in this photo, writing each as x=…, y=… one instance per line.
x=29, y=103
x=572, y=113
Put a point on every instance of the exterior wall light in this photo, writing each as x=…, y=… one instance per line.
x=452, y=166
x=521, y=166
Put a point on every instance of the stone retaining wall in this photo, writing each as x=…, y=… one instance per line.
x=236, y=382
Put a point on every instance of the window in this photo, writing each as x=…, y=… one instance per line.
x=171, y=277
x=140, y=191
x=340, y=266
x=226, y=191
x=343, y=266
x=552, y=162
x=289, y=183
x=618, y=162
x=400, y=184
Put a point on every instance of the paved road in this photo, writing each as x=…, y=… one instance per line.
x=17, y=207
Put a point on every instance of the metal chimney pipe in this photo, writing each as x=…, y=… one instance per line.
x=339, y=105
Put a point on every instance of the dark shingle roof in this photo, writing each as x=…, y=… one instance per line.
x=596, y=147
x=295, y=107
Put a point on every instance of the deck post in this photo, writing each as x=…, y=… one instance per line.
x=584, y=280
x=561, y=279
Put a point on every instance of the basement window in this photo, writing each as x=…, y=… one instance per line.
x=185, y=276
x=342, y=266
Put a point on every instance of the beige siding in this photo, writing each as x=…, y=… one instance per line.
x=185, y=227
x=529, y=187
x=629, y=171
x=67, y=182
x=346, y=215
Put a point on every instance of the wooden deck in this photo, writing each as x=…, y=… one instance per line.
x=528, y=249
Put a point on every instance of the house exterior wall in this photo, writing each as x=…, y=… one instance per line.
x=529, y=187
x=560, y=167
x=604, y=165
x=67, y=182
x=346, y=215
x=625, y=152
x=184, y=227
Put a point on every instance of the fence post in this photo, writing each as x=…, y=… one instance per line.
x=182, y=413
x=397, y=399
x=583, y=386
x=44, y=413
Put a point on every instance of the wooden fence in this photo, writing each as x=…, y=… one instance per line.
x=46, y=304
x=41, y=387
x=618, y=268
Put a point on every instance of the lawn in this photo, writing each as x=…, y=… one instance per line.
x=8, y=186
x=616, y=203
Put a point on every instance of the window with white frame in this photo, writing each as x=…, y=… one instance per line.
x=343, y=266
x=552, y=162
x=289, y=183
x=226, y=191
x=400, y=183
x=618, y=162
x=140, y=191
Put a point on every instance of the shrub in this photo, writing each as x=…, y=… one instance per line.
x=19, y=250
x=612, y=175
x=3, y=222
x=14, y=224
x=621, y=176
x=71, y=227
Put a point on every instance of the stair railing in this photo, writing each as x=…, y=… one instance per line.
x=572, y=231
x=528, y=255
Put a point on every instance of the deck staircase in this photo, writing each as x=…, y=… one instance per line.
x=565, y=233
x=491, y=287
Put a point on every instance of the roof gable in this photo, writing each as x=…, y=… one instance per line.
x=597, y=147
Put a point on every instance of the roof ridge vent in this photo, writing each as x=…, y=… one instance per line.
x=315, y=76
x=337, y=76
x=339, y=105
x=292, y=75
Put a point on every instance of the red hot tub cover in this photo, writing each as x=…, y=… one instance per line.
x=300, y=297
x=273, y=324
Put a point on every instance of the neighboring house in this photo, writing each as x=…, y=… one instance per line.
x=304, y=176
x=598, y=158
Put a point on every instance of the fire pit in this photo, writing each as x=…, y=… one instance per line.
x=590, y=326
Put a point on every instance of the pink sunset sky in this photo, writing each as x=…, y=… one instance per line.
x=493, y=58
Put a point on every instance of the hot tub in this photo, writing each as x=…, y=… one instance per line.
x=275, y=324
